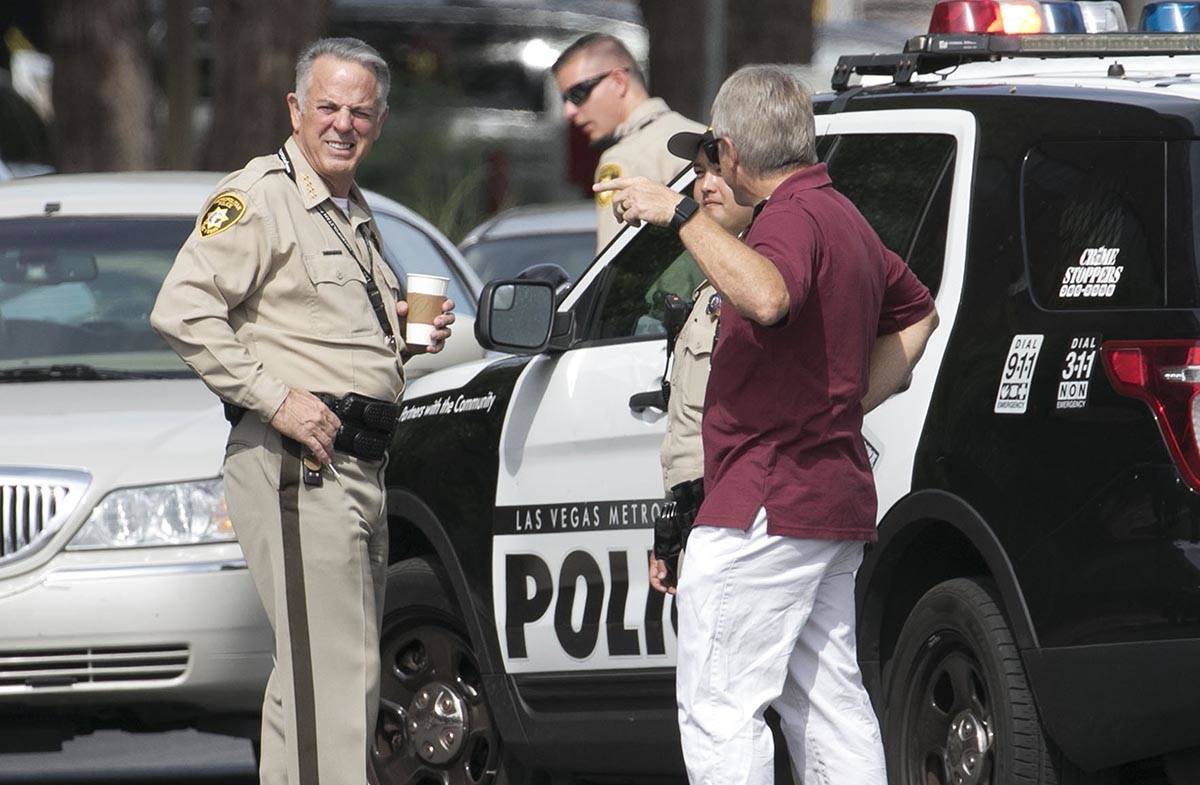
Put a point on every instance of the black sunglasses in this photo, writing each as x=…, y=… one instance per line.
x=579, y=92
x=712, y=150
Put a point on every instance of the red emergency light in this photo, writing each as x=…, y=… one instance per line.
x=986, y=16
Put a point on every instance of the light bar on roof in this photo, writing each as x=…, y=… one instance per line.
x=926, y=54
x=1060, y=45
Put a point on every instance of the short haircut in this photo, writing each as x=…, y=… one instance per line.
x=601, y=44
x=351, y=50
x=767, y=112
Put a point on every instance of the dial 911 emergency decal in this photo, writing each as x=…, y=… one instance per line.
x=573, y=587
x=1015, y=380
x=1076, y=372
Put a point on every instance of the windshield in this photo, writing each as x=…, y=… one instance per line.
x=409, y=250
x=78, y=291
x=505, y=258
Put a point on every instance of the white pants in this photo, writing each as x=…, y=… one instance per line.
x=769, y=621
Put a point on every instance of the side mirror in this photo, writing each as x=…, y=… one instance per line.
x=553, y=273
x=515, y=316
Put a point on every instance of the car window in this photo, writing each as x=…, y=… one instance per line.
x=652, y=265
x=928, y=253
x=825, y=146
x=81, y=291
x=1093, y=224
x=901, y=184
x=408, y=249
x=22, y=134
x=506, y=257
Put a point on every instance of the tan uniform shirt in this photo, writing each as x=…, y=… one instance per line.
x=640, y=151
x=264, y=297
x=682, y=448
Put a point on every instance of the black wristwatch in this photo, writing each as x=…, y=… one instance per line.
x=684, y=211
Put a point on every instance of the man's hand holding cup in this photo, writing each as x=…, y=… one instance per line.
x=427, y=314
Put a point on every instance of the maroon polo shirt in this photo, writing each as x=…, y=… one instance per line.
x=783, y=414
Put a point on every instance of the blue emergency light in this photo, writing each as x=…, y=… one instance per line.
x=1171, y=18
x=1062, y=16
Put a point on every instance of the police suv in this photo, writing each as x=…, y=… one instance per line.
x=1031, y=612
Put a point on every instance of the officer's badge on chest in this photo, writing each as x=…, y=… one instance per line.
x=606, y=172
x=713, y=309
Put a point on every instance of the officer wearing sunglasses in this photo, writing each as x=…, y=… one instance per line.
x=604, y=94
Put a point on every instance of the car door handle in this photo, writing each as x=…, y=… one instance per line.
x=654, y=399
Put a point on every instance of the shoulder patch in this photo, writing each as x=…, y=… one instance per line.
x=608, y=171
x=222, y=213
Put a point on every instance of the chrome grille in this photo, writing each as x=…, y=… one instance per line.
x=34, y=503
x=40, y=669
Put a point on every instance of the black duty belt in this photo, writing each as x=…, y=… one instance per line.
x=373, y=294
x=367, y=425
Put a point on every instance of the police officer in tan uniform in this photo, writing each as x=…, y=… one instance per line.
x=604, y=94
x=281, y=301
x=682, y=451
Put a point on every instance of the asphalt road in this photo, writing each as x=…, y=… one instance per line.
x=115, y=758
x=193, y=758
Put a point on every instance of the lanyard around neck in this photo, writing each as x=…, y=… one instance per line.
x=372, y=288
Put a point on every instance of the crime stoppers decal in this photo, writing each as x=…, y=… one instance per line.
x=1076, y=372
x=1096, y=275
x=1013, y=395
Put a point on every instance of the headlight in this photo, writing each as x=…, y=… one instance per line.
x=183, y=513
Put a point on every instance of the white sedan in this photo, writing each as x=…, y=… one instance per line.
x=124, y=597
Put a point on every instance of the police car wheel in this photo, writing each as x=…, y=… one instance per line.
x=959, y=710
x=434, y=723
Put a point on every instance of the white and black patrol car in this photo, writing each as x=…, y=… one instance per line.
x=1031, y=612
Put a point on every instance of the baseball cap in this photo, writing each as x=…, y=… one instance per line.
x=685, y=144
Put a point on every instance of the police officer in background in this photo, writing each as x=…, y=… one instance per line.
x=682, y=451
x=604, y=94
x=281, y=301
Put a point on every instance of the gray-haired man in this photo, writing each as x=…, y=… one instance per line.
x=819, y=323
x=281, y=301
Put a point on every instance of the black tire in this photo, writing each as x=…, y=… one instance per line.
x=956, y=664
x=424, y=647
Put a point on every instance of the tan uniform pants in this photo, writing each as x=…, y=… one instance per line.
x=318, y=556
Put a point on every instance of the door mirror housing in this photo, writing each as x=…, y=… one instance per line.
x=516, y=316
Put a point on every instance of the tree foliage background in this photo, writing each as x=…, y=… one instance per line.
x=201, y=84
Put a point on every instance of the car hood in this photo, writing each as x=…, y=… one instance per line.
x=135, y=432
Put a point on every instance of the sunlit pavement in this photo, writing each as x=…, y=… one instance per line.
x=111, y=758
x=191, y=758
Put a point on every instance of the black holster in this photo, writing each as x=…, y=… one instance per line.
x=367, y=424
x=233, y=413
x=673, y=526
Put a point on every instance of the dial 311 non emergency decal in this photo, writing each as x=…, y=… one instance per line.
x=1076, y=373
x=1013, y=395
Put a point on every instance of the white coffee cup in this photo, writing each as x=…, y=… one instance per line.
x=426, y=293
